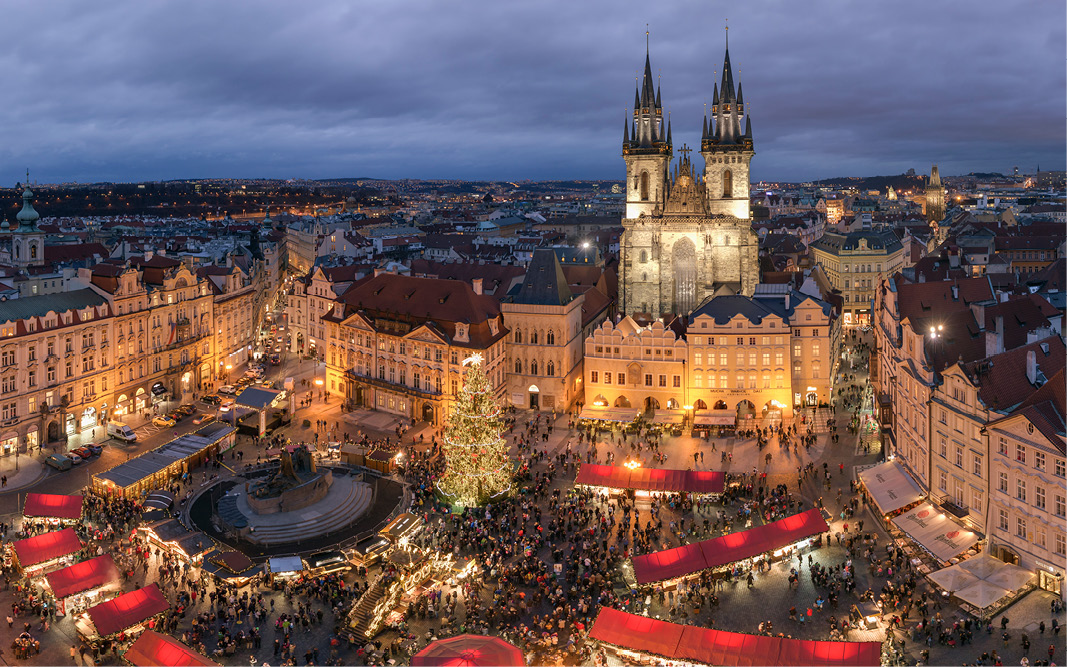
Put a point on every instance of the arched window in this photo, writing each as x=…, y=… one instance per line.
x=533, y=337
x=518, y=336
x=644, y=186
x=727, y=183
x=33, y=251
x=518, y=366
x=550, y=338
x=550, y=369
x=644, y=256
x=533, y=368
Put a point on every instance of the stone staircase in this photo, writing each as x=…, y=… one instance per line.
x=356, y=501
x=359, y=618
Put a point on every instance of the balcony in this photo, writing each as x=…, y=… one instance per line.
x=949, y=505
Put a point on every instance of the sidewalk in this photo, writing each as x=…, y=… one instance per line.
x=30, y=471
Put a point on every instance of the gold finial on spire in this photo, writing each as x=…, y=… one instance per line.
x=646, y=38
x=727, y=33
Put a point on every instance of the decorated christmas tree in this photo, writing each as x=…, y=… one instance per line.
x=477, y=469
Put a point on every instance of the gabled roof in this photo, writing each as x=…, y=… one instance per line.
x=544, y=284
x=1046, y=409
x=1001, y=379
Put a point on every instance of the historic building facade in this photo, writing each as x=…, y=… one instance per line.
x=855, y=264
x=686, y=238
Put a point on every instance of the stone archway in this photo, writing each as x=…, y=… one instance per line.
x=700, y=405
x=651, y=403
x=53, y=431
x=427, y=413
x=622, y=402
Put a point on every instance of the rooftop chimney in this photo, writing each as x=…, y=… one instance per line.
x=994, y=340
x=1031, y=367
x=148, y=255
x=955, y=293
x=477, y=285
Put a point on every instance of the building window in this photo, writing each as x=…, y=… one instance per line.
x=1003, y=520
x=1002, y=447
x=663, y=380
x=977, y=469
x=1039, y=460
x=778, y=358
x=607, y=377
x=1020, y=489
x=1039, y=497
x=1002, y=484
x=594, y=377
x=676, y=381
x=698, y=380
x=943, y=448
x=648, y=379
x=1020, y=454
x=942, y=480
x=1020, y=527
x=550, y=369
x=1060, y=506
x=621, y=377
x=1061, y=468
x=959, y=457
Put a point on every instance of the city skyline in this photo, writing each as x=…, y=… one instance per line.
x=127, y=92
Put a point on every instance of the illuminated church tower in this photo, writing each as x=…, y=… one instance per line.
x=686, y=238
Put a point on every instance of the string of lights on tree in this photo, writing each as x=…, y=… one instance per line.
x=477, y=468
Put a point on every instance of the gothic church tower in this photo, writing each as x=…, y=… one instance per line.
x=686, y=238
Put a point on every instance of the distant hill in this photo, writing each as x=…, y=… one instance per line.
x=881, y=183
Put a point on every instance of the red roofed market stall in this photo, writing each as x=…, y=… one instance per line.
x=76, y=585
x=155, y=650
x=709, y=554
x=469, y=651
x=651, y=479
x=34, y=555
x=636, y=636
x=51, y=508
x=124, y=613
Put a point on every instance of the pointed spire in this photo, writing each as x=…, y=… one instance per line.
x=659, y=104
x=668, y=130
x=637, y=99
x=704, y=134
x=740, y=99
x=715, y=99
x=625, y=131
x=727, y=84
x=748, y=126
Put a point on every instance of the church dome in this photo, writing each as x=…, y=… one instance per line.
x=28, y=215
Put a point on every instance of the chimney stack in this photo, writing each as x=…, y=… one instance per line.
x=477, y=282
x=1031, y=367
x=994, y=339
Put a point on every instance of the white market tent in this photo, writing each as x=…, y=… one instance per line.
x=285, y=564
x=982, y=580
x=941, y=536
x=890, y=486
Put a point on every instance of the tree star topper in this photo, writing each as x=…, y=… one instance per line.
x=475, y=358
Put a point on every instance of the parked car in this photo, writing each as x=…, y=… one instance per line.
x=227, y=405
x=275, y=359
x=227, y=389
x=268, y=384
x=204, y=418
x=60, y=461
x=74, y=458
x=94, y=448
x=187, y=408
x=177, y=416
x=121, y=431
x=164, y=421
x=211, y=399
x=83, y=452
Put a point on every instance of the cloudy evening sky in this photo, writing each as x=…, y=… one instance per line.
x=130, y=91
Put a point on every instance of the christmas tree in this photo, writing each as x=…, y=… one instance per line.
x=477, y=469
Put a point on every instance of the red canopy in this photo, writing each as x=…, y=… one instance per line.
x=155, y=650
x=651, y=479
x=51, y=506
x=469, y=651
x=127, y=610
x=729, y=649
x=719, y=551
x=46, y=546
x=83, y=576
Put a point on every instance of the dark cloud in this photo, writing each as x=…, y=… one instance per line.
x=135, y=90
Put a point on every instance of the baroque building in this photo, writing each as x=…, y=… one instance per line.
x=687, y=238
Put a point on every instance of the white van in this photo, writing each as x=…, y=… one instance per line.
x=121, y=431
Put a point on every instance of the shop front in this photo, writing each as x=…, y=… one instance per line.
x=38, y=555
x=88, y=418
x=32, y=438
x=9, y=443
x=139, y=398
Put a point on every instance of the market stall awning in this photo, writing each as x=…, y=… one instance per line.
x=729, y=649
x=257, y=398
x=715, y=418
x=469, y=651
x=890, y=486
x=83, y=576
x=155, y=650
x=668, y=417
x=127, y=610
x=50, y=506
x=982, y=593
x=285, y=564
x=624, y=415
x=160, y=500
x=982, y=579
x=938, y=534
x=651, y=479
x=719, y=551
x=46, y=546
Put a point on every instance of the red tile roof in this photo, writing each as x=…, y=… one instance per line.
x=1001, y=379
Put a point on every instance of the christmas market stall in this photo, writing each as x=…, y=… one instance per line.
x=403, y=527
x=232, y=568
x=83, y=584
x=128, y=614
x=157, y=468
x=43, y=553
x=170, y=535
x=51, y=510
x=770, y=541
x=714, y=422
x=153, y=649
x=469, y=650
x=935, y=532
x=650, y=480
x=603, y=418
x=282, y=568
x=647, y=641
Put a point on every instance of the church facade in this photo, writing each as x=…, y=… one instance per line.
x=687, y=236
